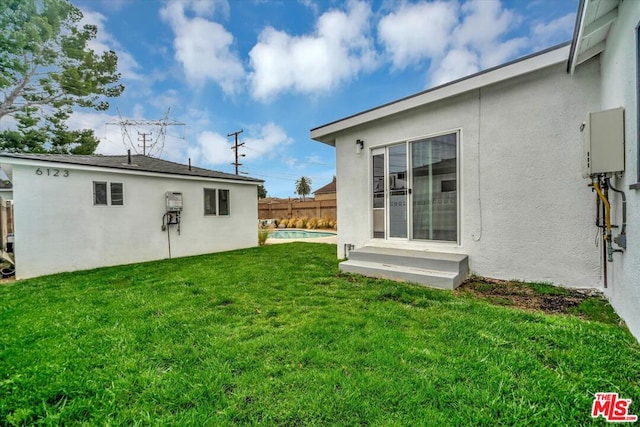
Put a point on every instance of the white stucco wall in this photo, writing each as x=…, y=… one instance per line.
x=57, y=227
x=525, y=211
x=619, y=89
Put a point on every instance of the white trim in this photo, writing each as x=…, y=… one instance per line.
x=383, y=149
x=106, y=169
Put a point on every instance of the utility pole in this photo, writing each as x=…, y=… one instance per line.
x=235, y=147
x=144, y=142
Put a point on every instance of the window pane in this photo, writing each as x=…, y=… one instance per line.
x=435, y=196
x=209, y=201
x=117, y=196
x=398, y=191
x=99, y=193
x=224, y=201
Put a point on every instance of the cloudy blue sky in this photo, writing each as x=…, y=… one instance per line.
x=276, y=69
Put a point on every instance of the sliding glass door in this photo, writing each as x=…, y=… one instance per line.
x=415, y=190
x=435, y=188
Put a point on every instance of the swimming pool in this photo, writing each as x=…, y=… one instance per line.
x=298, y=234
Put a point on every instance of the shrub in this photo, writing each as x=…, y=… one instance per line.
x=263, y=235
x=301, y=223
x=312, y=224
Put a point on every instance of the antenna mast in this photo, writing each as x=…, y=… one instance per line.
x=150, y=147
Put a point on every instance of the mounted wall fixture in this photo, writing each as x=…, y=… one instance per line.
x=359, y=145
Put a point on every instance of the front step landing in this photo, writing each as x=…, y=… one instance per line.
x=432, y=269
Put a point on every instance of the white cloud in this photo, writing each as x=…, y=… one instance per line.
x=262, y=141
x=484, y=22
x=457, y=63
x=556, y=31
x=338, y=50
x=208, y=7
x=417, y=31
x=104, y=41
x=203, y=47
x=477, y=42
x=265, y=140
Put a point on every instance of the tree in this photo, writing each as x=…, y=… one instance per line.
x=303, y=186
x=262, y=192
x=46, y=69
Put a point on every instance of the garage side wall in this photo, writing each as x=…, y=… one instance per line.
x=58, y=228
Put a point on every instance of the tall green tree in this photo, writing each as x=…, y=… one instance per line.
x=262, y=192
x=303, y=186
x=46, y=69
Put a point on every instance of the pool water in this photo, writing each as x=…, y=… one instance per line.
x=298, y=234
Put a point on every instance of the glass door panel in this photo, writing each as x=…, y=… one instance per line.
x=398, y=191
x=378, y=196
x=434, y=185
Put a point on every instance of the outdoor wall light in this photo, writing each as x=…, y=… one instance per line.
x=359, y=145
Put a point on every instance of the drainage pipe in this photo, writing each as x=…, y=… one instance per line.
x=607, y=218
x=621, y=240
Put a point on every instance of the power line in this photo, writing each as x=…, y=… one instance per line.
x=156, y=146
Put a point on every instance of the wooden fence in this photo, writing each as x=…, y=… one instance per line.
x=298, y=209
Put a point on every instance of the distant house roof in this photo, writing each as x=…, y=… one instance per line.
x=327, y=189
x=138, y=163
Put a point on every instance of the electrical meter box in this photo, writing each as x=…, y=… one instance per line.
x=174, y=201
x=603, y=143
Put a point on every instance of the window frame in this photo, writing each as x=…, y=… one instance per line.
x=103, y=193
x=108, y=193
x=121, y=198
x=207, y=209
x=220, y=208
x=226, y=200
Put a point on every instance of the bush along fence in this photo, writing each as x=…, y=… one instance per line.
x=304, y=223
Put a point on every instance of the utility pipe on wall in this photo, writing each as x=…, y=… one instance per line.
x=607, y=218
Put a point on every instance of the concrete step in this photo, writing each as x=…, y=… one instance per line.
x=411, y=258
x=433, y=269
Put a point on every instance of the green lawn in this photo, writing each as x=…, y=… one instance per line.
x=276, y=336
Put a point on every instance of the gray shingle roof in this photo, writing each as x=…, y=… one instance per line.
x=138, y=163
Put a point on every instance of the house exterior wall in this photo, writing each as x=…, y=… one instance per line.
x=525, y=212
x=620, y=89
x=58, y=228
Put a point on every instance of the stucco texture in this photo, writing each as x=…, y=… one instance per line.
x=58, y=228
x=524, y=210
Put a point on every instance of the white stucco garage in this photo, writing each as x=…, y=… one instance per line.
x=78, y=212
x=490, y=166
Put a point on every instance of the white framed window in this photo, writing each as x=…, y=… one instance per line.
x=108, y=193
x=210, y=201
x=223, y=202
x=216, y=202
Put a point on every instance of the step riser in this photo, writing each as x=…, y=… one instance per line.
x=426, y=263
x=448, y=283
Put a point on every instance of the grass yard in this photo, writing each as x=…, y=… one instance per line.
x=276, y=336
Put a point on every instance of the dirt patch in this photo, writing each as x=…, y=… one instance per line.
x=533, y=297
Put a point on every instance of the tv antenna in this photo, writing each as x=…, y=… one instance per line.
x=151, y=147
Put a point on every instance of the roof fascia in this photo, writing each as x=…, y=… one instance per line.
x=45, y=164
x=550, y=57
x=577, y=36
